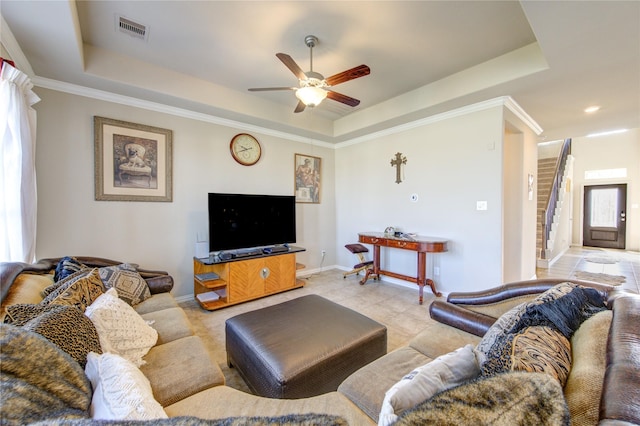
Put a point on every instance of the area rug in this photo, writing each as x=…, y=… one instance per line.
x=601, y=259
x=600, y=278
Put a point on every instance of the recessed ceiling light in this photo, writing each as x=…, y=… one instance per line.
x=591, y=109
x=610, y=132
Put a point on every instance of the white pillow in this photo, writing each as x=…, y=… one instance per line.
x=442, y=373
x=121, y=329
x=120, y=390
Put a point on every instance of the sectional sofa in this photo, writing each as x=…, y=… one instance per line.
x=601, y=384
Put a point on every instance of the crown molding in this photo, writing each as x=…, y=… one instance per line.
x=74, y=89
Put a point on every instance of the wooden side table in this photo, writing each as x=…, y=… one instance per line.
x=420, y=244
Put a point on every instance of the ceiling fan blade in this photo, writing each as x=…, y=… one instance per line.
x=291, y=64
x=300, y=107
x=264, y=89
x=353, y=73
x=347, y=100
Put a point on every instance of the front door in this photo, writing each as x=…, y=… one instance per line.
x=605, y=218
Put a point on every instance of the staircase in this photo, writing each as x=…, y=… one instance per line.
x=546, y=174
x=551, y=192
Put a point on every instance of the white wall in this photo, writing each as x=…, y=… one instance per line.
x=608, y=152
x=451, y=164
x=160, y=235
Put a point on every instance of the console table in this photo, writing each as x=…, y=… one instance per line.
x=218, y=283
x=420, y=244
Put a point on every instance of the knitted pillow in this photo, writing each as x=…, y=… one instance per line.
x=120, y=390
x=69, y=329
x=120, y=328
x=131, y=287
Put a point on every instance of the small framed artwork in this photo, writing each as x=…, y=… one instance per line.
x=133, y=162
x=308, y=178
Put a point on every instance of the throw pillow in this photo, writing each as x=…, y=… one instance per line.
x=66, y=266
x=534, y=349
x=120, y=390
x=69, y=329
x=54, y=290
x=584, y=386
x=38, y=380
x=21, y=313
x=563, y=307
x=502, y=400
x=120, y=328
x=81, y=293
x=442, y=373
x=131, y=287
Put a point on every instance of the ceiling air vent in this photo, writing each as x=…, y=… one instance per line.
x=132, y=28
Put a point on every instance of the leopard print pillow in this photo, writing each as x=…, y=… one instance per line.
x=69, y=329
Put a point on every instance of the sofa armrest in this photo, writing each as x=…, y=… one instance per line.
x=621, y=388
x=464, y=319
x=517, y=289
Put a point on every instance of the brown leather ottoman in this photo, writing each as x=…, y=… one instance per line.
x=302, y=347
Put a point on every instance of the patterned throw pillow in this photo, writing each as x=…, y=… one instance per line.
x=120, y=328
x=534, y=349
x=81, y=293
x=563, y=307
x=131, y=287
x=69, y=329
x=63, y=283
x=67, y=266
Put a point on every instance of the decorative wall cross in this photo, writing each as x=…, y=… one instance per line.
x=397, y=162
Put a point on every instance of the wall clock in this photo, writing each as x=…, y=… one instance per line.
x=245, y=149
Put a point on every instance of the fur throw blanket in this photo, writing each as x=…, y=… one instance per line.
x=39, y=381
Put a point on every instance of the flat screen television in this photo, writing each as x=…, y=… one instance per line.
x=238, y=221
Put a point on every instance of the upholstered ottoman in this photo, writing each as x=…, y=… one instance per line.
x=302, y=347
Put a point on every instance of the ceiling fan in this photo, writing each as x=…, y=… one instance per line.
x=313, y=87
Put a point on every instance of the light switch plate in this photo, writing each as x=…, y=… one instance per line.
x=481, y=205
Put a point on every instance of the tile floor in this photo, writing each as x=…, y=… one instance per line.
x=395, y=306
x=585, y=262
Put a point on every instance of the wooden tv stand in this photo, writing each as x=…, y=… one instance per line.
x=244, y=278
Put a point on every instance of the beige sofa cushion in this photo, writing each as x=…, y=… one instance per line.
x=27, y=288
x=179, y=369
x=584, y=386
x=171, y=324
x=157, y=302
x=367, y=386
x=223, y=401
x=439, y=339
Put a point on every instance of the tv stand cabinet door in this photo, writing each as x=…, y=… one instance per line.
x=245, y=280
x=281, y=273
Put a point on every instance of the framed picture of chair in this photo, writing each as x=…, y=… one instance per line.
x=133, y=162
x=308, y=178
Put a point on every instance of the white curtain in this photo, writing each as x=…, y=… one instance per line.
x=18, y=198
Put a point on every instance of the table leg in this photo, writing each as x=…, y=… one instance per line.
x=375, y=270
x=422, y=275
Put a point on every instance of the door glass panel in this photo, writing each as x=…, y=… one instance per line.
x=604, y=208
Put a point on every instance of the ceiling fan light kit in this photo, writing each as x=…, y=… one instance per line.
x=313, y=86
x=311, y=95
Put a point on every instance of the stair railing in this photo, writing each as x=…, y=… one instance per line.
x=552, y=199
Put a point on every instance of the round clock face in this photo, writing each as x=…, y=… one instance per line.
x=245, y=149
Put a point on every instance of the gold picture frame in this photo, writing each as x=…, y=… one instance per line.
x=307, y=178
x=133, y=162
